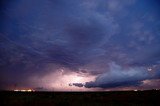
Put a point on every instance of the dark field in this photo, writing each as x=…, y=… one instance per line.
x=123, y=98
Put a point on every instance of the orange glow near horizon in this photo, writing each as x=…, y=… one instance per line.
x=24, y=90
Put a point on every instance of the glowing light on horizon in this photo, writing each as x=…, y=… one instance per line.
x=24, y=90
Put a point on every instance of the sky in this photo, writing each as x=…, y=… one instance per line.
x=80, y=45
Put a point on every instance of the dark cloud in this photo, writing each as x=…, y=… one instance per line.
x=78, y=84
x=112, y=85
x=118, y=77
x=39, y=37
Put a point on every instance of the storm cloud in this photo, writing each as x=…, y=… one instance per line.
x=116, y=41
x=118, y=76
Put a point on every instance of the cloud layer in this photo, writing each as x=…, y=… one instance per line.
x=118, y=76
x=116, y=41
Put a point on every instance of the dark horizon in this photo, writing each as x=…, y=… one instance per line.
x=142, y=98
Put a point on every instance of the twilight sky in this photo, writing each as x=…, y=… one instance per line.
x=80, y=45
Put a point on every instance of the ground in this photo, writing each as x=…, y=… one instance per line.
x=116, y=98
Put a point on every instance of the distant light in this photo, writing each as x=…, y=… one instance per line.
x=29, y=90
x=24, y=90
x=135, y=90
